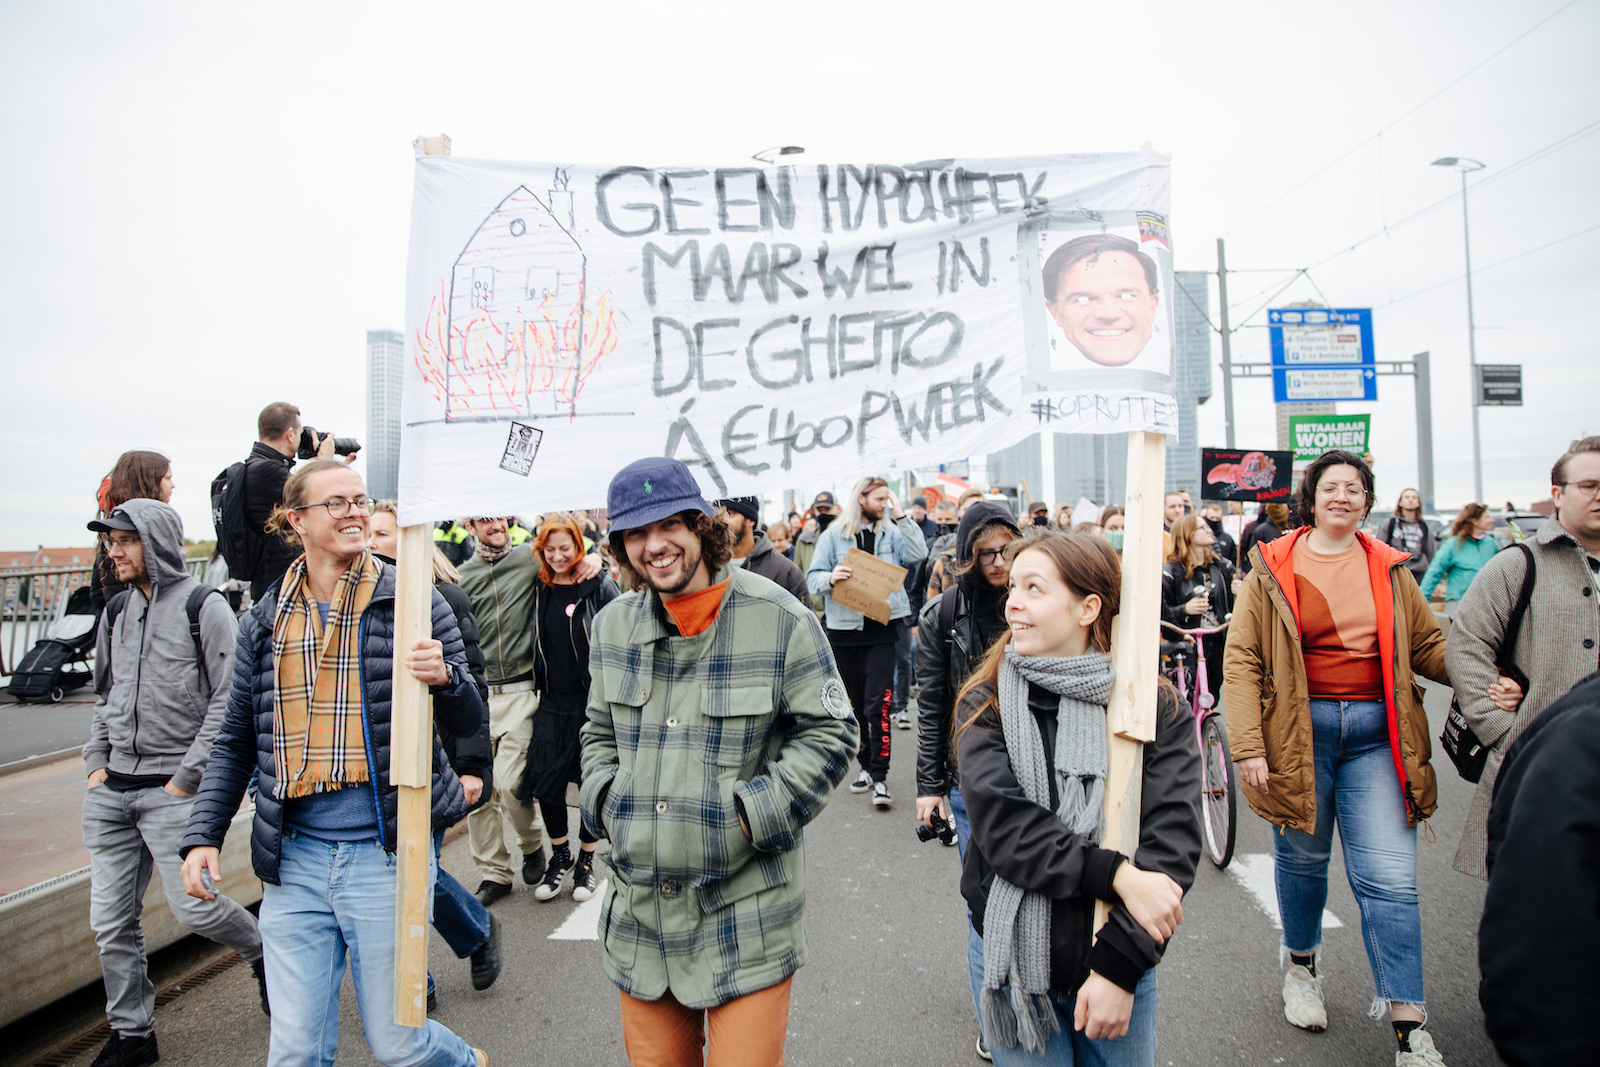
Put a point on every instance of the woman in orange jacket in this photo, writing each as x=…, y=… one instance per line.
x=1326, y=722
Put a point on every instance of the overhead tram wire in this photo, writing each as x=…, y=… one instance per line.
x=1491, y=266
x=1504, y=172
x=1358, y=147
x=1532, y=157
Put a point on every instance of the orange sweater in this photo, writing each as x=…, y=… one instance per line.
x=1338, y=623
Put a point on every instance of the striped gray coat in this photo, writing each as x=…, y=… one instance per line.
x=685, y=736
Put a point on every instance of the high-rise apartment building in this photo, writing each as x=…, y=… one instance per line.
x=1096, y=465
x=381, y=450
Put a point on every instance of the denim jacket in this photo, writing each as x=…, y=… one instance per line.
x=901, y=544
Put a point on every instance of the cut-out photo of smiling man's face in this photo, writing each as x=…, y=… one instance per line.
x=1102, y=291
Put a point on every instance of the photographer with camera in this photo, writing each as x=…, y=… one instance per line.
x=282, y=438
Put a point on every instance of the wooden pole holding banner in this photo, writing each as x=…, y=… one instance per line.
x=411, y=758
x=1135, y=648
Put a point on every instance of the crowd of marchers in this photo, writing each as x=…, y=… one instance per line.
x=691, y=671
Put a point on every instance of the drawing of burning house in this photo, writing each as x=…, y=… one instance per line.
x=522, y=336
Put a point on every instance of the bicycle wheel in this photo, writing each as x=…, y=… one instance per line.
x=1218, y=798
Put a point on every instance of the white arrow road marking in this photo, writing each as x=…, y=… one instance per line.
x=1255, y=872
x=584, y=922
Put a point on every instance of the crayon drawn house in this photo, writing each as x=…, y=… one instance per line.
x=517, y=343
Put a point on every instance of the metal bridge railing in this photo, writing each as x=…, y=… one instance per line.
x=31, y=600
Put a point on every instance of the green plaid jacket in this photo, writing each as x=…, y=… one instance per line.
x=685, y=735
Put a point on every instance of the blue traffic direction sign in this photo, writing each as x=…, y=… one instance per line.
x=1321, y=337
x=1324, y=383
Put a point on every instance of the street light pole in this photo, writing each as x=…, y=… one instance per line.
x=1467, y=166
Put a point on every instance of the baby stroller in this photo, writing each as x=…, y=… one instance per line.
x=59, y=663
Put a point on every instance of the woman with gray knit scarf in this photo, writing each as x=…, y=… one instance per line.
x=1031, y=742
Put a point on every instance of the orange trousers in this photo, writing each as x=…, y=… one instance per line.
x=747, y=1032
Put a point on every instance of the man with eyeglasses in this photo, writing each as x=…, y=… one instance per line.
x=163, y=667
x=500, y=580
x=310, y=717
x=1559, y=642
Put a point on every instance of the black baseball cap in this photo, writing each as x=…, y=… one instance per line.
x=117, y=520
x=824, y=500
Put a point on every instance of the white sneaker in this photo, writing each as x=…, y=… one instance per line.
x=1422, y=1053
x=1302, y=1000
x=880, y=794
x=902, y=720
x=862, y=783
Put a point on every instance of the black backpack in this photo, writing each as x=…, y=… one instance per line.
x=240, y=548
x=197, y=599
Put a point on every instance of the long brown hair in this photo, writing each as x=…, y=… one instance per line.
x=716, y=547
x=136, y=475
x=1089, y=567
x=556, y=522
x=1183, y=545
x=1462, y=527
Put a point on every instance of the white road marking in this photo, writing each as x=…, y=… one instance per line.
x=584, y=922
x=1255, y=872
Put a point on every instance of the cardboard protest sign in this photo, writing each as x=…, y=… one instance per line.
x=869, y=585
x=1232, y=474
x=771, y=325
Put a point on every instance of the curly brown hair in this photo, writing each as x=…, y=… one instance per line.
x=716, y=547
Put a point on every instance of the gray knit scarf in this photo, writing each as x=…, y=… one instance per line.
x=1016, y=924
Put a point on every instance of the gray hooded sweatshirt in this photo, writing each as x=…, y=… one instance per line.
x=159, y=710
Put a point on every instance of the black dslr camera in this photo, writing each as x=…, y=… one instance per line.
x=944, y=831
x=343, y=446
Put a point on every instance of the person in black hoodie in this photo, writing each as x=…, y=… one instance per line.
x=564, y=607
x=1271, y=522
x=1033, y=756
x=954, y=630
x=464, y=923
x=1539, y=940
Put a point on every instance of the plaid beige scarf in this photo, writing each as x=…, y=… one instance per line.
x=317, y=738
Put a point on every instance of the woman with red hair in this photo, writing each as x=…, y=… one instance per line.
x=564, y=609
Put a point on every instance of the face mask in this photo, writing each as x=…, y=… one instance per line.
x=823, y=521
x=1115, y=539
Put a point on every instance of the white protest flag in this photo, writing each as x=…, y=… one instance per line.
x=771, y=327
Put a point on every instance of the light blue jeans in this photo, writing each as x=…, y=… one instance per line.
x=1069, y=1048
x=333, y=898
x=1357, y=788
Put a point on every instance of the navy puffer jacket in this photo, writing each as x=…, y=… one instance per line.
x=245, y=742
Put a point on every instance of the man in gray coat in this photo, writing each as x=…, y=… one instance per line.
x=163, y=690
x=1559, y=643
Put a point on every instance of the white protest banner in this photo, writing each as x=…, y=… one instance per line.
x=772, y=327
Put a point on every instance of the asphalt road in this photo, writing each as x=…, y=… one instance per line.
x=28, y=730
x=886, y=981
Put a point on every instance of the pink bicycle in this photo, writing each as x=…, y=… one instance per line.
x=1184, y=663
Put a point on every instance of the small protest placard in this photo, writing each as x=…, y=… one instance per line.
x=869, y=585
x=1232, y=474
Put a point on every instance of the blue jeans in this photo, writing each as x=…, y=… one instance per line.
x=904, y=663
x=336, y=898
x=1357, y=788
x=460, y=917
x=1069, y=1048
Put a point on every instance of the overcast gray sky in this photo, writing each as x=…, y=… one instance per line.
x=203, y=207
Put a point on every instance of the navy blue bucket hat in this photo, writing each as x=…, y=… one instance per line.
x=649, y=490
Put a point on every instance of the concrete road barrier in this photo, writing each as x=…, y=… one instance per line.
x=47, y=949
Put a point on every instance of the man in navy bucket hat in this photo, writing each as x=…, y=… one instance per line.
x=718, y=728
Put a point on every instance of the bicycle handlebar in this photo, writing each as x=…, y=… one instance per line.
x=1199, y=632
